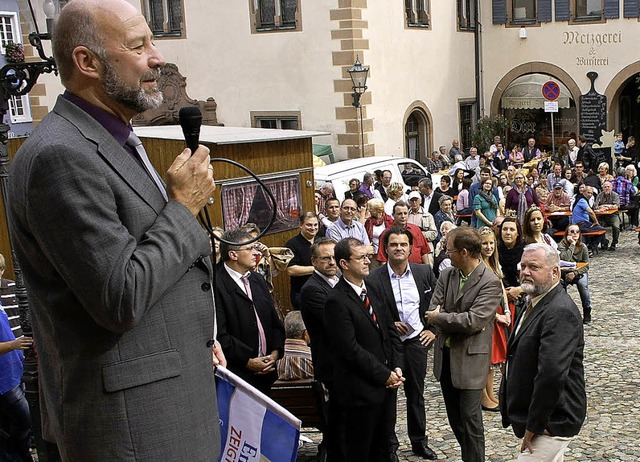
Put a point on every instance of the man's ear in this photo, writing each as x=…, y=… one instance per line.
x=87, y=62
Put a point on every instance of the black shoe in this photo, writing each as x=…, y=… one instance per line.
x=612, y=248
x=424, y=451
x=491, y=409
x=586, y=320
x=605, y=244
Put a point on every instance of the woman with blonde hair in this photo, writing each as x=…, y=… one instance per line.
x=395, y=193
x=502, y=320
x=603, y=172
x=377, y=222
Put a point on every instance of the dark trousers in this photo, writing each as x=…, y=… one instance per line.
x=367, y=430
x=333, y=435
x=15, y=429
x=464, y=414
x=415, y=370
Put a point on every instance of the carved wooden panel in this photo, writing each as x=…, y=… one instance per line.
x=173, y=86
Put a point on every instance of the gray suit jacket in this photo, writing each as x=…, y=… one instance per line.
x=466, y=317
x=119, y=284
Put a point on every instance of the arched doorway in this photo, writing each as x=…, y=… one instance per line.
x=417, y=133
x=630, y=109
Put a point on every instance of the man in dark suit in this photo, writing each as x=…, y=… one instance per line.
x=430, y=197
x=117, y=267
x=380, y=190
x=366, y=355
x=249, y=329
x=313, y=296
x=406, y=290
x=543, y=393
x=463, y=309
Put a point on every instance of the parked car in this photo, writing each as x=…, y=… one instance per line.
x=340, y=173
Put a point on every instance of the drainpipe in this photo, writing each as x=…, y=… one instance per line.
x=478, y=61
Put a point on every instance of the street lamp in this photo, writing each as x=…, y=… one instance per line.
x=16, y=80
x=358, y=74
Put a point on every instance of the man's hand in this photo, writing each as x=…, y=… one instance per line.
x=395, y=379
x=426, y=337
x=218, y=355
x=527, y=440
x=432, y=315
x=402, y=328
x=190, y=179
x=21, y=343
x=570, y=276
x=263, y=364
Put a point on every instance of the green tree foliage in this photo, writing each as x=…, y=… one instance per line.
x=486, y=128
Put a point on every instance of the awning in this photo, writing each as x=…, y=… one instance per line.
x=525, y=92
x=323, y=150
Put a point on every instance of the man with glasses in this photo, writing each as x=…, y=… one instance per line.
x=463, y=309
x=312, y=300
x=366, y=355
x=346, y=226
x=249, y=329
x=406, y=289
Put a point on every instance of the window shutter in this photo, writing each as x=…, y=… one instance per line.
x=499, y=8
x=611, y=9
x=175, y=17
x=544, y=10
x=562, y=10
x=631, y=8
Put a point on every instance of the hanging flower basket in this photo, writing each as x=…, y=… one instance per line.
x=14, y=52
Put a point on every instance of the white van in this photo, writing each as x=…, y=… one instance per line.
x=341, y=172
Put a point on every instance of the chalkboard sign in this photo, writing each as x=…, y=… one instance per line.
x=593, y=112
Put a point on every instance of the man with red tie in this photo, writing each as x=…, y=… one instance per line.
x=366, y=354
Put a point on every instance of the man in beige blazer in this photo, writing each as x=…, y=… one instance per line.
x=463, y=309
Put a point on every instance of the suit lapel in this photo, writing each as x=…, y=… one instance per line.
x=112, y=153
x=360, y=304
x=535, y=313
x=385, y=281
x=473, y=279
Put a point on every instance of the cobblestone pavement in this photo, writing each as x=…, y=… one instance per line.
x=612, y=347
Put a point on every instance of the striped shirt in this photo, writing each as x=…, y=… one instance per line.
x=9, y=302
x=296, y=363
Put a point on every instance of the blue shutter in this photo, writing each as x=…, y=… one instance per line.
x=562, y=10
x=631, y=8
x=499, y=8
x=611, y=9
x=544, y=10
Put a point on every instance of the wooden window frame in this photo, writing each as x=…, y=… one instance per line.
x=511, y=20
x=575, y=19
x=278, y=116
x=12, y=16
x=411, y=20
x=278, y=26
x=166, y=33
x=469, y=7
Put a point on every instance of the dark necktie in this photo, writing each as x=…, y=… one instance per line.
x=367, y=306
x=136, y=144
x=262, y=339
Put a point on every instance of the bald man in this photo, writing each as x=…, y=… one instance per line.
x=117, y=267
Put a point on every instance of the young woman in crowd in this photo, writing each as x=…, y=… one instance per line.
x=485, y=205
x=533, y=226
x=463, y=207
x=516, y=158
x=458, y=181
x=501, y=323
x=572, y=249
x=510, y=248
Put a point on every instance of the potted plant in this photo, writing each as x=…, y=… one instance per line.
x=14, y=52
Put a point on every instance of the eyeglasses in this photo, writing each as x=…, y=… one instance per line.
x=574, y=231
x=450, y=251
x=362, y=258
x=251, y=248
x=326, y=258
x=352, y=209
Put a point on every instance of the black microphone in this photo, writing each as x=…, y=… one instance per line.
x=190, y=121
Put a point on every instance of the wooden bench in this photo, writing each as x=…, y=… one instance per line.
x=588, y=233
x=303, y=398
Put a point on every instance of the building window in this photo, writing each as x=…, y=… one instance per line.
x=417, y=13
x=9, y=31
x=416, y=136
x=588, y=10
x=164, y=17
x=275, y=15
x=467, y=122
x=19, y=109
x=466, y=14
x=523, y=11
x=279, y=120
